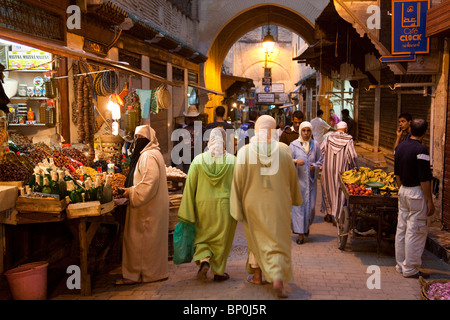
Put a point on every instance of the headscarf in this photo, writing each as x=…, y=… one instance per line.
x=263, y=127
x=341, y=125
x=139, y=145
x=305, y=143
x=216, y=143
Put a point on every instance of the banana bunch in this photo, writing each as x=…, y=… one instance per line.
x=352, y=176
x=364, y=175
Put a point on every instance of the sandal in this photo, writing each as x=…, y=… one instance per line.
x=250, y=280
x=224, y=277
x=123, y=282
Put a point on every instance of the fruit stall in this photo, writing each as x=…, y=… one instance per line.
x=370, y=209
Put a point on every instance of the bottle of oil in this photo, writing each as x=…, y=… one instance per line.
x=130, y=119
x=50, y=114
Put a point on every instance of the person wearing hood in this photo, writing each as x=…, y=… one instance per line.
x=265, y=188
x=145, y=241
x=339, y=155
x=206, y=203
x=308, y=159
x=4, y=100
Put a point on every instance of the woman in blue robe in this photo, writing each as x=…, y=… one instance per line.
x=308, y=159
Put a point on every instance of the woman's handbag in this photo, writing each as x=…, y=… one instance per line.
x=183, y=243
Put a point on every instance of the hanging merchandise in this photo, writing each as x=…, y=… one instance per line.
x=50, y=85
x=85, y=111
x=163, y=97
x=105, y=83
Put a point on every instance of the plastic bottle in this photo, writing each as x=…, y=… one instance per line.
x=62, y=184
x=130, y=119
x=24, y=160
x=42, y=109
x=46, y=188
x=98, y=187
x=54, y=183
x=107, y=191
x=30, y=115
x=11, y=156
x=50, y=114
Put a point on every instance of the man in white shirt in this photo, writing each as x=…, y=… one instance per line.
x=320, y=127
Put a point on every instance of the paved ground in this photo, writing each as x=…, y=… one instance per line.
x=321, y=272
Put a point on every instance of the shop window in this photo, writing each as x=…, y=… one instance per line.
x=177, y=74
x=193, y=96
x=158, y=68
x=192, y=77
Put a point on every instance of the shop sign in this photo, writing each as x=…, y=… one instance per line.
x=266, y=81
x=409, y=27
x=265, y=97
x=278, y=87
x=95, y=47
x=29, y=60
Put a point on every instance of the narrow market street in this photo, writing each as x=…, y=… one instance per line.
x=321, y=272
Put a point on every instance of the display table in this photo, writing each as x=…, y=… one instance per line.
x=83, y=229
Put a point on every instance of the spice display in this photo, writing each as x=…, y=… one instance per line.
x=10, y=171
x=117, y=181
x=439, y=291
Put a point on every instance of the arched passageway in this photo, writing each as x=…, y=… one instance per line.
x=239, y=25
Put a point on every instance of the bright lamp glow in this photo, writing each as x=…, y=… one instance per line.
x=114, y=103
x=268, y=42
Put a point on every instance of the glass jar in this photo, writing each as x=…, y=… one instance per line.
x=22, y=90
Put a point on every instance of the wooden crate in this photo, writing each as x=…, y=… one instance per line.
x=17, y=184
x=47, y=205
x=83, y=209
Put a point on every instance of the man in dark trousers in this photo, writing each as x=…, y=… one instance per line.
x=247, y=130
x=415, y=202
x=292, y=134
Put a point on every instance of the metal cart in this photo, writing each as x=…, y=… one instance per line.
x=384, y=210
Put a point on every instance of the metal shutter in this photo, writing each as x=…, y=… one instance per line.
x=366, y=107
x=418, y=106
x=388, y=118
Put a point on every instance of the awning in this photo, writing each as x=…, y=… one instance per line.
x=67, y=52
x=206, y=89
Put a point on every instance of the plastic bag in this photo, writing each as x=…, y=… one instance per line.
x=183, y=243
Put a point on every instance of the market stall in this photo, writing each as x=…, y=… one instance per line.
x=371, y=206
x=53, y=181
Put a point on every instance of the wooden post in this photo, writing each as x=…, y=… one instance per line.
x=85, y=277
x=376, y=120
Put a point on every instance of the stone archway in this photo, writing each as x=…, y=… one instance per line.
x=245, y=21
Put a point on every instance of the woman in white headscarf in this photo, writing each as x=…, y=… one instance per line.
x=264, y=190
x=308, y=159
x=145, y=240
x=206, y=203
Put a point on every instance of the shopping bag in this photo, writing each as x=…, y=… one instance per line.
x=183, y=242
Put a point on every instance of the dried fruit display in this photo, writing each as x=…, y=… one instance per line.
x=19, y=139
x=10, y=171
x=75, y=154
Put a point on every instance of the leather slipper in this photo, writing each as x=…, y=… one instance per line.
x=250, y=280
x=223, y=277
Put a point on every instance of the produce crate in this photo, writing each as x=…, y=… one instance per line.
x=425, y=285
x=83, y=209
x=49, y=204
x=17, y=184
